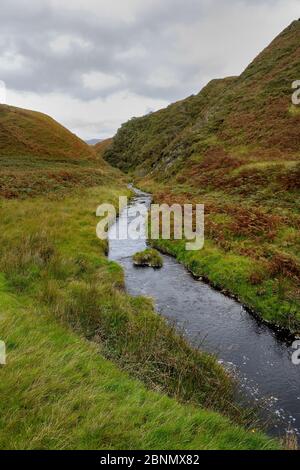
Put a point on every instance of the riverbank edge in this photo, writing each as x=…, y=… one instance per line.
x=282, y=333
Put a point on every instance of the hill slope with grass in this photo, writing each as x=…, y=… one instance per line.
x=38, y=155
x=29, y=134
x=236, y=148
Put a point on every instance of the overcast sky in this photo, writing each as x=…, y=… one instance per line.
x=93, y=64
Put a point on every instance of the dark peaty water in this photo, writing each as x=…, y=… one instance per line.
x=218, y=325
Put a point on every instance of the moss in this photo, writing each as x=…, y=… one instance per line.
x=149, y=258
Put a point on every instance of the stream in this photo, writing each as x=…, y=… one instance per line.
x=260, y=361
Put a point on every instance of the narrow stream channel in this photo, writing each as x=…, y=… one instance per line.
x=261, y=362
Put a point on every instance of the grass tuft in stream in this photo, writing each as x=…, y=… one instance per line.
x=149, y=257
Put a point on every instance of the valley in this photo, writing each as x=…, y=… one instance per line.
x=102, y=354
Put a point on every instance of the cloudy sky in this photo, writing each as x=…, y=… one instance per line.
x=93, y=64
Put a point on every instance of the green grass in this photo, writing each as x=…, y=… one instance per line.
x=64, y=269
x=58, y=392
x=83, y=356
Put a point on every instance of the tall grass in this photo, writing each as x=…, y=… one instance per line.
x=58, y=392
x=129, y=331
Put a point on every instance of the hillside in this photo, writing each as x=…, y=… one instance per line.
x=253, y=110
x=236, y=147
x=38, y=155
x=30, y=134
x=102, y=146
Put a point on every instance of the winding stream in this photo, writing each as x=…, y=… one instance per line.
x=217, y=324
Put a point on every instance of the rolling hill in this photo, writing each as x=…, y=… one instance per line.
x=236, y=148
x=39, y=156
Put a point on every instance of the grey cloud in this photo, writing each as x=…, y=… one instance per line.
x=27, y=29
x=180, y=44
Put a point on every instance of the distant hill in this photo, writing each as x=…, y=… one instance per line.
x=38, y=156
x=93, y=141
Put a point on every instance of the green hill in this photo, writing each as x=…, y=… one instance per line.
x=39, y=156
x=236, y=147
x=29, y=134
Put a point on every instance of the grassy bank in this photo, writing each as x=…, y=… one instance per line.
x=79, y=348
x=149, y=257
x=58, y=392
x=230, y=273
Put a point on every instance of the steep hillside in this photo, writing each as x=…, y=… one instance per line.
x=236, y=147
x=252, y=110
x=156, y=139
x=38, y=155
x=102, y=146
